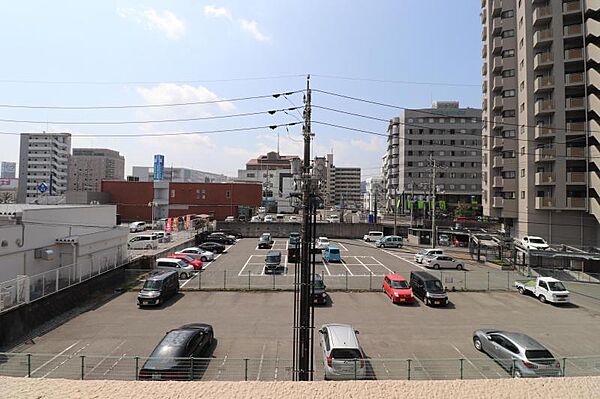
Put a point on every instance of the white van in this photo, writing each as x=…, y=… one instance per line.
x=424, y=253
x=137, y=226
x=143, y=241
x=179, y=265
x=373, y=236
x=343, y=358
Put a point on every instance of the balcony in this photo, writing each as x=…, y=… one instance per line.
x=496, y=26
x=574, y=55
x=498, y=102
x=497, y=45
x=576, y=203
x=484, y=34
x=541, y=15
x=575, y=128
x=496, y=8
x=484, y=51
x=544, y=83
x=498, y=182
x=543, y=60
x=483, y=16
x=484, y=69
x=576, y=178
x=498, y=123
x=497, y=142
x=497, y=64
x=571, y=7
x=542, y=132
x=484, y=105
x=545, y=178
x=498, y=162
x=571, y=31
x=542, y=38
x=574, y=79
x=484, y=87
x=544, y=107
x=576, y=152
x=545, y=203
x=575, y=104
x=498, y=83
x=545, y=154
x=497, y=202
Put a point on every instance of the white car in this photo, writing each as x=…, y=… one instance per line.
x=322, y=242
x=269, y=219
x=183, y=269
x=373, y=236
x=261, y=209
x=333, y=219
x=442, y=262
x=343, y=357
x=419, y=256
x=230, y=219
x=293, y=219
x=137, y=226
x=255, y=219
x=533, y=242
x=198, y=253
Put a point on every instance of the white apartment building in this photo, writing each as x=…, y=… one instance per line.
x=43, y=158
x=178, y=175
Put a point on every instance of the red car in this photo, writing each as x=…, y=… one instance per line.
x=197, y=263
x=397, y=288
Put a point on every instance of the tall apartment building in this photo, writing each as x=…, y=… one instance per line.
x=340, y=185
x=446, y=134
x=8, y=170
x=89, y=166
x=375, y=196
x=177, y=175
x=43, y=158
x=541, y=111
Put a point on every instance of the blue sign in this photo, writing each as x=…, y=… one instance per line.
x=159, y=167
x=42, y=187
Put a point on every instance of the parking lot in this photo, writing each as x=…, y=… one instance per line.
x=258, y=326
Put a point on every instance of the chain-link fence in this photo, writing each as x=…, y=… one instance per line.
x=96, y=367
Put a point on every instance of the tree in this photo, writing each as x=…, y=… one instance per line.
x=7, y=198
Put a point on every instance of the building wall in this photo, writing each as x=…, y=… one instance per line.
x=8, y=170
x=89, y=166
x=180, y=175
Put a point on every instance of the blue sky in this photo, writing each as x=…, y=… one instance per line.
x=87, y=53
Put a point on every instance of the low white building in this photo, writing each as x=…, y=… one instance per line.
x=83, y=240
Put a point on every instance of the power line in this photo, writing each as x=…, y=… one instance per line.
x=271, y=112
x=408, y=82
x=275, y=95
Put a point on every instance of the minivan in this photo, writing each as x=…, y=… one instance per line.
x=343, y=358
x=158, y=288
x=389, y=242
x=419, y=256
x=137, y=226
x=428, y=288
x=143, y=241
x=273, y=262
x=183, y=269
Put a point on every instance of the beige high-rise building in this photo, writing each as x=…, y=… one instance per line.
x=541, y=116
x=89, y=166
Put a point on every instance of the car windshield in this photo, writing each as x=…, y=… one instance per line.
x=536, y=241
x=423, y=252
x=294, y=235
x=434, y=285
x=152, y=285
x=273, y=258
x=319, y=284
x=538, y=354
x=399, y=284
x=556, y=286
x=188, y=258
x=345, y=354
x=334, y=251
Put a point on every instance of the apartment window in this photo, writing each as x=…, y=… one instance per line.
x=509, y=195
x=509, y=174
x=442, y=153
x=508, y=93
x=452, y=120
x=251, y=175
x=227, y=194
x=431, y=120
x=172, y=193
x=451, y=186
x=509, y=113
x=409, y=142
x=509, y=133
x=522, y=172
x=522, y=150
x=521, y=64
x=522, y=194
x=420, y=142
x=522, y=86
x=442, y=120
x=507, y=14
x=452, y=142
x=508, y=73
x=420, y=164
x=521, y=43
x=462, y=187
x=409, y=153
x=522, y=107
x=409, y=163
x=521, y=19
x=410, y=120
x=508, y=33
x=420, y=120
x=473, y=120
x=508, y=53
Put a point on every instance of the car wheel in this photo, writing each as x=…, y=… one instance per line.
x=459, y=267
x=477, y=344
x=436, y=266
x=148, y=246
x=203, y=259
x=542, y=299
x=183, y=276
x=521, y=290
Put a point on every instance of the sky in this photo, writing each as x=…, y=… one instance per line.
x=99, y=53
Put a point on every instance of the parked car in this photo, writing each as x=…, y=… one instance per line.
x=457, y=241
x=519, y=354
x=190, y=260
x=333, y=219
x=143, y=241
x=158, y=287
x=428, y=288
x=261, y=209
x=295, y=238
x=255, y=219
x=444, y=240
x=269, y=219
x=389, y=242
x=198, y=253
x=230, y=233
x=427, y=252
x=442, y=262
x=134, y=227
x=170, y=360
x=373, y=236
x=546, y=289
x=535, y=243
x=293, y=219
x=293, y=251
x=322, y=243
x=183, y=269
x=279, y=217
x=332, y=254
x=343, y=358
x=265, y=240
x=319, y=296
x=242, y=218
x=221, y=238
x=397, y=288
x=230, y=219
x=273, y=263
x=213, y=247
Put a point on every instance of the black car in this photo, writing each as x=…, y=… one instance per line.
x=212, y=247
x=273, y=263
x=236, y=234
x=172, y=357
x=220, y=238
x=319, y=296
x=428, y=288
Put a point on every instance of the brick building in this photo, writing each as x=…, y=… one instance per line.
x=217, y=199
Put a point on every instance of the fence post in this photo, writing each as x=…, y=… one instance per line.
x=408, y=368
x=57, y=279
x=355, y=368
x=371, y=281
x=29, y=365
x=564, y=365
x=248, y=280
x=461, y=368
x=192, y=368
x=200, y=280
x=514, y=366
x=137, y=368
x=465, y=280
x=43, y=284
x=508, y=281
x=346, y=280
x=273, y=281
x=82, y=365
x=246, y=369
x=488, y=281
x=224, y=279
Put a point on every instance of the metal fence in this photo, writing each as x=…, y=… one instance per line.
x=96, y=367
x=26, y=289
x=456, y=280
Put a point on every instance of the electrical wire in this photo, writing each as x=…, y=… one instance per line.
x=408, y=82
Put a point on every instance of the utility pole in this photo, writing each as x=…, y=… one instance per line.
x=434, y=189
x=395, y=209
x=412, y=201
x=375, y=207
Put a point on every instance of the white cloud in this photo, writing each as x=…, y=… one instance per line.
x=375, y=144
x=166, y=93
x=164, y=21
x=252, y=28
x=213, y=11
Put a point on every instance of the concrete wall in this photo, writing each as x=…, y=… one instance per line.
x=330, y=230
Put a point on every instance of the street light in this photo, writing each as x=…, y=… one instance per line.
x=151, y=206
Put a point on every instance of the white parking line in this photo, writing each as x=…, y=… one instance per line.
x=114, y=364
x=104, y=358
x=187, y=281
x=344, y=264
x=245, y=264
x=221, y=367
x=326, y=268
x=49, y=361
x=468, y=361
x=382, y=265
x=71, y=356
x=405, y=260
x=260, y=365
x=365, y=266
x=342, y=246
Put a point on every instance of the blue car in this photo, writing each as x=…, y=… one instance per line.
x=332, y=254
